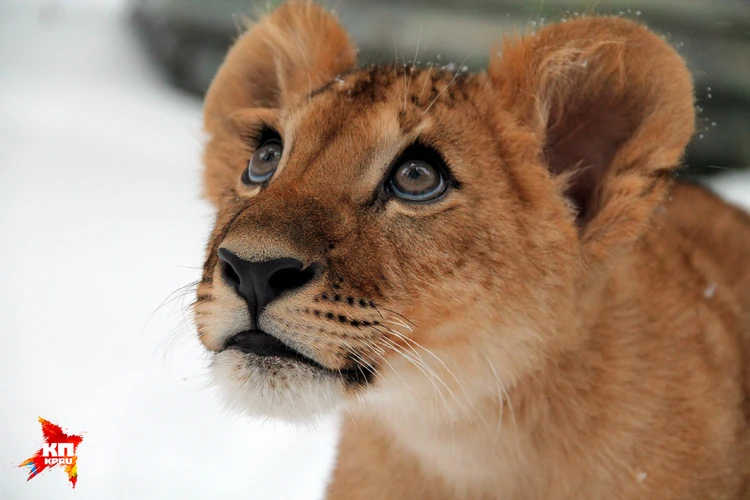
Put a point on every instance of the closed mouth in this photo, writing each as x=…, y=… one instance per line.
x=263, y=344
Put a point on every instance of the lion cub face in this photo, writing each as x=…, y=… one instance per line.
x=392, y=233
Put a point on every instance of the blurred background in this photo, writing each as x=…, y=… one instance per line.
x=188, y=39
x=102, y=222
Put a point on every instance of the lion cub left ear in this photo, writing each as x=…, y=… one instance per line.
x=611, y=105
x=289, y=53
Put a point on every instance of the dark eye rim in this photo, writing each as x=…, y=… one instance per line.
x=266, y=136
x=427, y=154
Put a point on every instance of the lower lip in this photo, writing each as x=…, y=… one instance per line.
x=262, y=344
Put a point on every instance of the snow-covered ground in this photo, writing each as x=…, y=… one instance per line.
x=100, y=220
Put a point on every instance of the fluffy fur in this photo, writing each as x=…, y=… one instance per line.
x=564, y=323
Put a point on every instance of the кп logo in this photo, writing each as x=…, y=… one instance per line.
x=58, y=457
x=58, y=448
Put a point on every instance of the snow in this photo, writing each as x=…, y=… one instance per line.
x=734, y=186
x=101, y=220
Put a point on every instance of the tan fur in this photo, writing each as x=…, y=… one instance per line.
x=565, y=324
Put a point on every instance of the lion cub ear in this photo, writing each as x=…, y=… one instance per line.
x=292, y=51
x=611, y=104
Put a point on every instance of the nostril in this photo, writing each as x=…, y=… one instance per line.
x=260, y=282
x=291, y=278
x=229, y=274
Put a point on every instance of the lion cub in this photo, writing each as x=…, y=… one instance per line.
x=493, y=273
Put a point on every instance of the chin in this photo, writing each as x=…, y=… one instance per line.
x=292, y=389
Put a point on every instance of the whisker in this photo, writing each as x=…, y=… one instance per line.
x=360, y=361
x=390, y=330
x=428, y=351
x=399, y=323
x=445, y=366
x=513, y=417
x=414, y=62
x=395, y=62
x=427, y=79
x=381, y=355
x=500, y=394
x=400, y=316
x=429, y=372
x=427, y=375
x=455, y=75
x=178, y=294
x=378, y=311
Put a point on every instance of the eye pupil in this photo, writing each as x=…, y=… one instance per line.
x=417, y=180
x=414, y=173
x=263, y=163
x=270, y=154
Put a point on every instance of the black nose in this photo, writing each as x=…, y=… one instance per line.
x=259, y=283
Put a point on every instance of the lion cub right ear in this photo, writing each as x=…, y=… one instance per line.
x=611, y=106
x=291, y=52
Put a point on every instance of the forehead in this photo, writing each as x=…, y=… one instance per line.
x=400, y=84
x=406, y=93
x=370, y=114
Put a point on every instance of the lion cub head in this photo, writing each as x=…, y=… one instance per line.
x=404, y=234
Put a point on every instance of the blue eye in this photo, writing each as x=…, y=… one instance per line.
x=417, y=180
x=263, y=163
